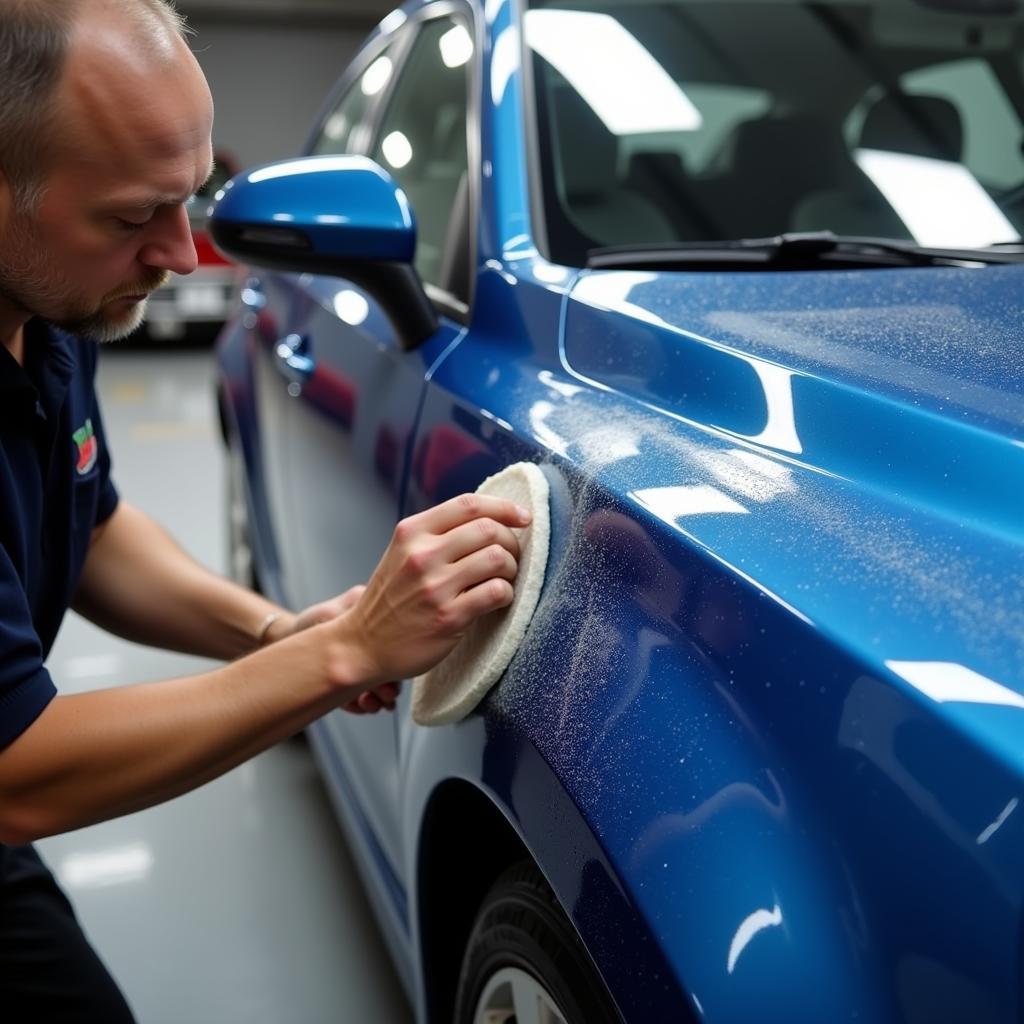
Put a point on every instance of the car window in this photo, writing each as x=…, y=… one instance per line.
x=421, y=141
x=698, y=120
x=345, y=129
x=992, y=129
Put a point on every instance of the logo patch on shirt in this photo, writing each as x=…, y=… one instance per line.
x=88, y=448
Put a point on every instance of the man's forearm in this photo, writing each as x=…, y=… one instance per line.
x=138, y=583
x=98, y=755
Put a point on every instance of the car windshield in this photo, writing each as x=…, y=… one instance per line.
x=664, y=121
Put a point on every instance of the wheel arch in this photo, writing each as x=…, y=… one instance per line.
x=452, y=880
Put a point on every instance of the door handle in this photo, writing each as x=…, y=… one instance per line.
x=293, y=358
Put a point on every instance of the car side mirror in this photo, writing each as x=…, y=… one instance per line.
x=343, y=216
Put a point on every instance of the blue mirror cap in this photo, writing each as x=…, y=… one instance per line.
x=327, y=207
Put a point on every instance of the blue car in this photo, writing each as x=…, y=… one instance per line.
x=744, y=280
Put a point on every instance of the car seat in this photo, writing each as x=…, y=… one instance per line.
x=927, y=126
x=594, y=198
x=773, y=164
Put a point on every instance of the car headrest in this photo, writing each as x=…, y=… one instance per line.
x=794, y=153
x=919, y=125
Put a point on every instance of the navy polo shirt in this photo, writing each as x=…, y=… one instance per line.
x=54, y=488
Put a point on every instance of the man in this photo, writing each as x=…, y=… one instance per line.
x=105, y=128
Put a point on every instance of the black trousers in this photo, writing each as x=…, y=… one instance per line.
x=49, y=974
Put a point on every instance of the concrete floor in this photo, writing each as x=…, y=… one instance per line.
x=239, y=902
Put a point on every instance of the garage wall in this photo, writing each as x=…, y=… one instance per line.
x=269, y=80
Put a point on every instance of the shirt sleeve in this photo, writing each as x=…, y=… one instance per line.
x=25, y=685
x=108, y=496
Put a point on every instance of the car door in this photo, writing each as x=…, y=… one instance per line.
x=354, y=394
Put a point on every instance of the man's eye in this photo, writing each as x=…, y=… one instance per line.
x=129, y=225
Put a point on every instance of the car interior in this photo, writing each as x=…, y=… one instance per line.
x=777, y=150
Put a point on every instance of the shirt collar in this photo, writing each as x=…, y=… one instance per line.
x=44, y=379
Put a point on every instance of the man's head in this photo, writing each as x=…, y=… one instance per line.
x=104, y=134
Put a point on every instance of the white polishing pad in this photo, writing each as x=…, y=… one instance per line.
x=453, y=688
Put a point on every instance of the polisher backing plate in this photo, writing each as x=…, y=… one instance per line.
x=452, y=689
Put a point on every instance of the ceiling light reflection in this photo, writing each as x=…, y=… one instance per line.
x=948, y=681
x=397, y=150
x=989, y=832
x=504, y=62
x=456, y=47
x=757, y=922
x=670, y=504
x=376, y=76
x=351, y=307
x=611, y=69
x=940, y=202
x=113, y=866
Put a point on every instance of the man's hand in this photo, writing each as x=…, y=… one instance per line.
x=444, y=568
x=374, y=700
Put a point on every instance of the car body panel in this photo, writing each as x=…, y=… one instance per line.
x=763, y=736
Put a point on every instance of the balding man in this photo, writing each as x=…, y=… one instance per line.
x=105, y=129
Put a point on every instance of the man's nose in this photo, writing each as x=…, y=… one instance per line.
x=171, y=247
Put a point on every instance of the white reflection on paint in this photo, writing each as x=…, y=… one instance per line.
x=673, y=503
x=504, y=62
x=550, y=274
x=948, y=681
x=939, y=201
x=612, y=293
x=351, y=307
x=989, y=832
x=542, y=430
x=456, y=47
x=780, y=430
x=519, y=247
x=611, y=69
x=114, y=866
x=313, y=165
x=376, y=76
x=757, y=922
x=563, y=387
x=488, y=415
x=748, y=474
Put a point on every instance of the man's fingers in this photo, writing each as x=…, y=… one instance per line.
x=485, y=597
x=480, y=533
x=467, y=507
x=493, y=562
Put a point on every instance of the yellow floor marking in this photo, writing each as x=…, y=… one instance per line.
x=170, y=430
x=129, y=393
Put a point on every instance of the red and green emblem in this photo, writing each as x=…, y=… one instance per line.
x=88, y=448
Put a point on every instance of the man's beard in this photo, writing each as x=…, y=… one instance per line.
x=29, y=282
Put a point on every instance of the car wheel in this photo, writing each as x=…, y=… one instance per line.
x=525, y=962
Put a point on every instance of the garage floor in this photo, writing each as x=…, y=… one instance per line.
x=239, y=902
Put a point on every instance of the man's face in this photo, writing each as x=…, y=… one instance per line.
x=133, y=143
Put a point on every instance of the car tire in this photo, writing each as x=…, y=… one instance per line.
x=523, y=947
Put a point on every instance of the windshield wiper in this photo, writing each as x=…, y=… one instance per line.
x=793, y=251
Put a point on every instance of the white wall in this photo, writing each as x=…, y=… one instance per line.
x=268, y=81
